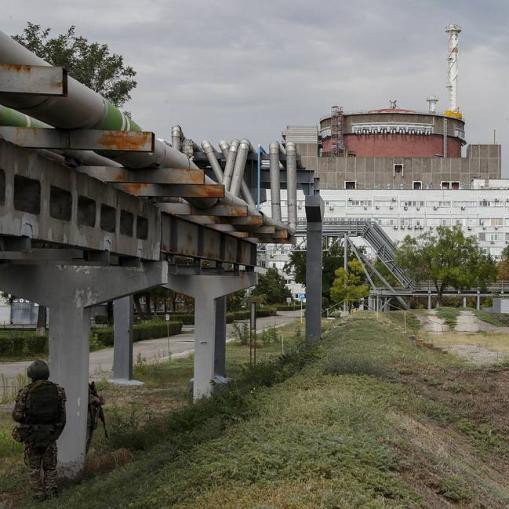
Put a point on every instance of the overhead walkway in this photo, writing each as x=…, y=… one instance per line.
x=374, y=235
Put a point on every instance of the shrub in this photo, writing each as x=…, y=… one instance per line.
x=36, y=344
x=144, y=330
x=18, y=344
x=290, y=307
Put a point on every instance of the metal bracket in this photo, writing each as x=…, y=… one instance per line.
x=33, y=80
x=79, y=139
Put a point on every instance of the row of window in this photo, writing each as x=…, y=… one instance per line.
x=495, y=222
x=27, y=198
x=416, y=184
x=393, y=202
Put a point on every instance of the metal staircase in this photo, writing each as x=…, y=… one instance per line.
x=374, y=234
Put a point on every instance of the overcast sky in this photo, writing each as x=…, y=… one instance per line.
x=248, y=68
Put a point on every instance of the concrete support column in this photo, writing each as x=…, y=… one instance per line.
x=220, y=339
x=69, y=332
x=464, y=302
x=123, y=342
x=208, y=292
x=478, y=301
x=314, y=215
x=69, y=291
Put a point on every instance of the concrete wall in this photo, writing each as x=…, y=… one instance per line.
x=378, y=172
x=500, y=306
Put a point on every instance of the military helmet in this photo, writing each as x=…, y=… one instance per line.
x=38, y=370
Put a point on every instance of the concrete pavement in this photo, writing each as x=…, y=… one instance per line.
x=152, y=350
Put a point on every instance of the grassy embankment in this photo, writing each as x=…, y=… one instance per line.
x=366, y=419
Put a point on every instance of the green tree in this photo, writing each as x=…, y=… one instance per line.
x=91, y=63
x=349, y=286
x=332, y=259
x=447, y=258
x=236, y=301
x=272, y=286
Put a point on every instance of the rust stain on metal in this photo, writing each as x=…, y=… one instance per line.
x=134, y=188
x=123, y=140
x=17, y=67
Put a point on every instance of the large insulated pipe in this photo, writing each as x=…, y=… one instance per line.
x=211, y=156
x=176, y=137
x=188, y=147
x=224, y=146
x=230, y=164
x=82, y=108
x=240, y=165
x=291, y=184
x=275, y=184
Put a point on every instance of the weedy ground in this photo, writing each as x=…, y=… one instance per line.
x=368, y=418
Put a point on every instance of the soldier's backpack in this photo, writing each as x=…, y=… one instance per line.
x=42, y=403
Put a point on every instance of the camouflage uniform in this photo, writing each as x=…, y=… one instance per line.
x=95, y=403
x=41, y=458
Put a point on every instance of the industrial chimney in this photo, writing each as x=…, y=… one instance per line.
x=452, y=59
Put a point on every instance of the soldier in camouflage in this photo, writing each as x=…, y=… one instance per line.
x=40, y=414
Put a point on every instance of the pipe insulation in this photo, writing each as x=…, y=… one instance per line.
x=224, y=146
x=211, y=156
x=275, y=183
x=176, y=137
x=240, y=165
x=230, y=164
x=291, y=184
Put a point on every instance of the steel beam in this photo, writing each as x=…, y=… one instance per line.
x=186, y=209
x=33, y=79
x=82, y=139
x=112, y=174
x=41, y=255
x=173, y=190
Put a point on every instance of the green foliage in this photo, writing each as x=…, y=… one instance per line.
x=455, y=489
x=241, y=332
x=496, y=319
x=17, y=344
x=331, y=260
x=270, y=336
x=272, y=286
x=188, y=318
x=350, y=286
x=145, y=330
x=236, y=301
x=448, y=258
x=90, y=63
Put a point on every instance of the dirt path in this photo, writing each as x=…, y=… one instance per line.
x=431, y=322
x=468, y=322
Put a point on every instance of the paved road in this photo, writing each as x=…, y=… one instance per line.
x=153, y=350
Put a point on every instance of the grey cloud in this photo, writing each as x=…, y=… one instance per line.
x=242, y=68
